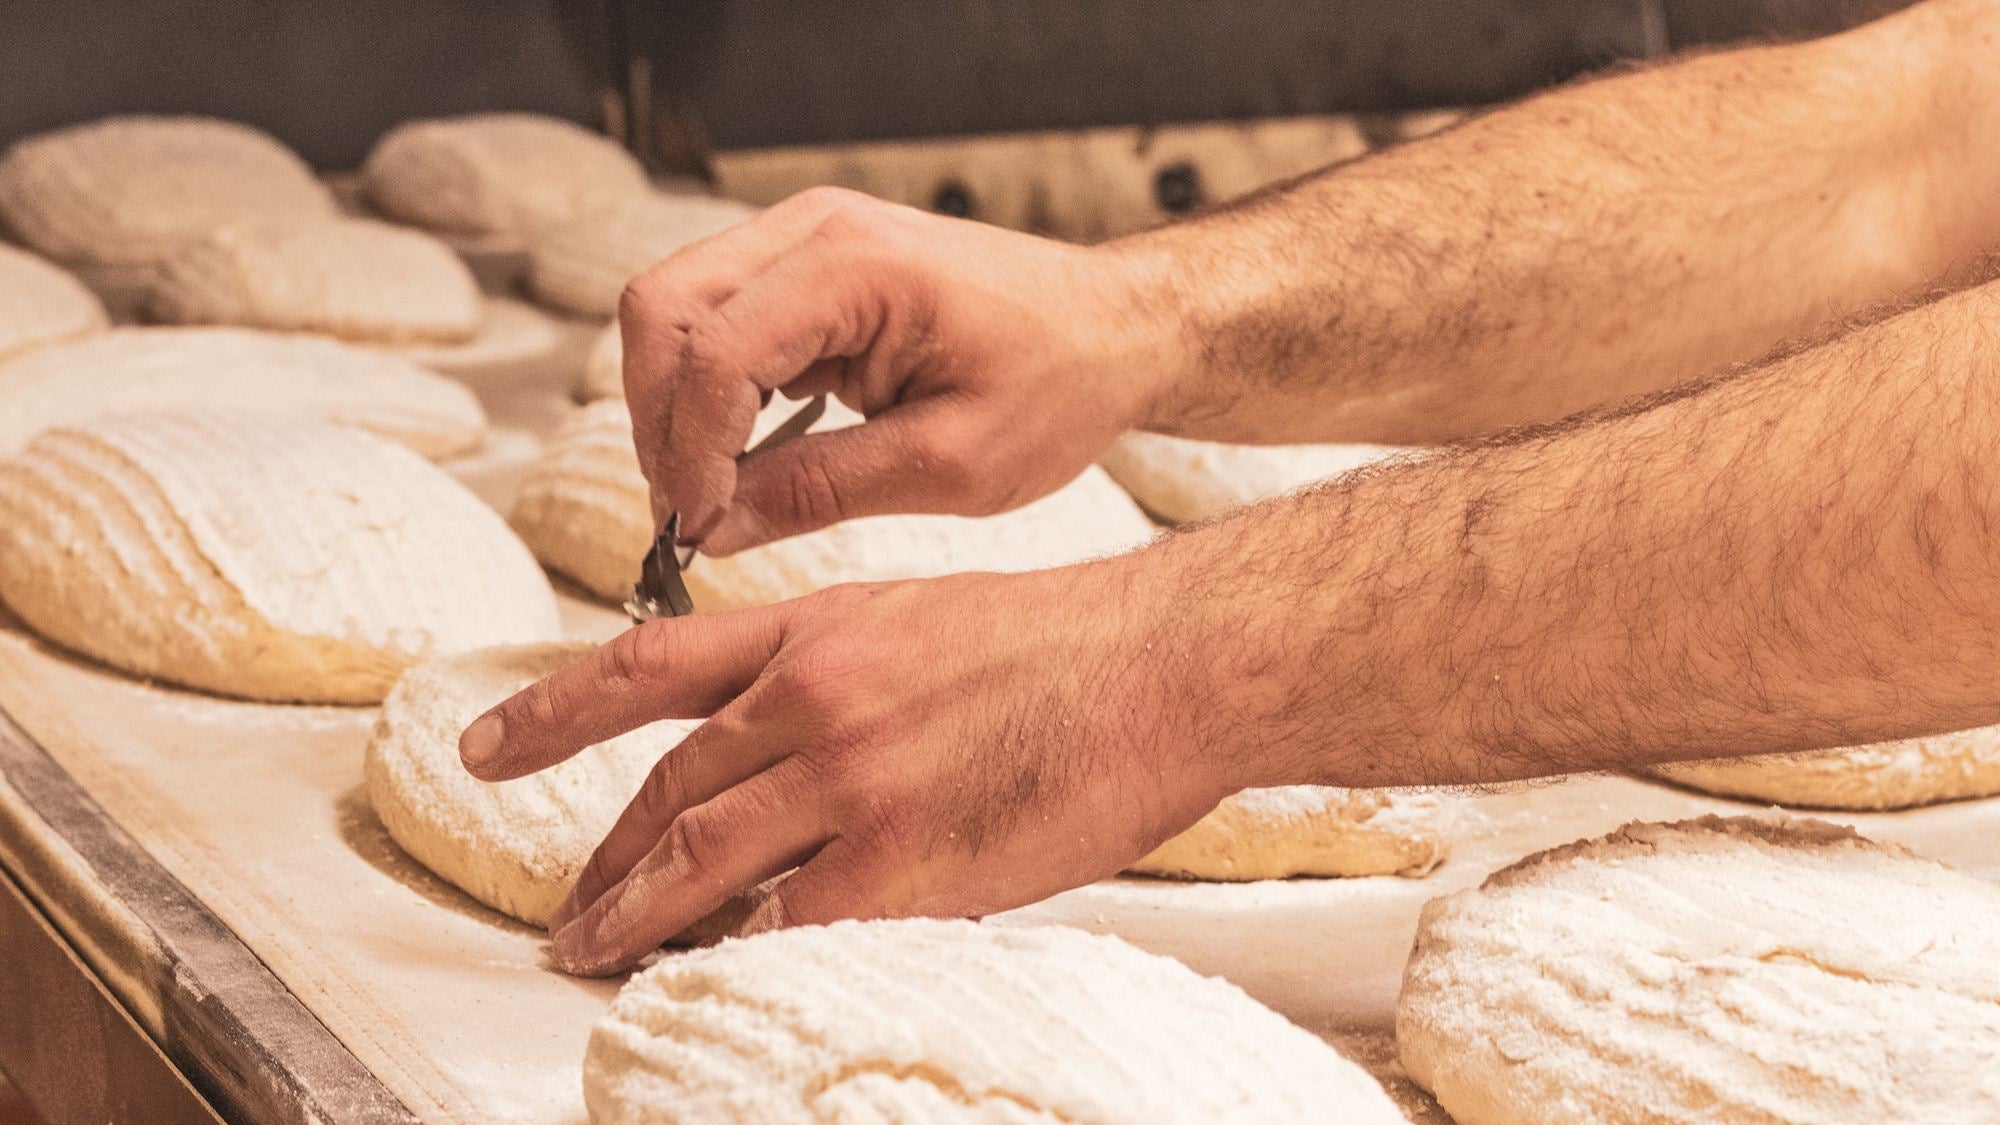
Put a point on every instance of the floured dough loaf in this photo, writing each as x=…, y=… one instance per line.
x=1182, y=480
x=1885, y=775
x=604, y=367
x=1308, y=830
x=355, y=279
x=497, y=174
x=40, y=304
x=1746, y=969
x=128, y=369
x=582, y=265
x=266, y=558
x=584, y=511
x=928, y=1021
x=126, y=191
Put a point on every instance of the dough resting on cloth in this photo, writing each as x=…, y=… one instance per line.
x=40, y=304
x=269, y=559
x=1182, y=480
x=927, y=1021
x=355, y=279
x=239, y=370
x=1745, y=969
x=582, y=265
x=125, y=191
x=1308, y=830
x=585, y=513
x=1884, y=775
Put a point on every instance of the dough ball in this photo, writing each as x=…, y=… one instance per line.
x=584, y=511
x=604, y=367
x=926, y=1021
x=273, y=559
x=41, y=304
x=501, y=174
x=515, y=345
x=1746, y=969
x=239, y=370
x=582, y=265
x=126, y=191
x=1886, y=775
x=352, y=278
x=1308, y=830
x=1182, y=480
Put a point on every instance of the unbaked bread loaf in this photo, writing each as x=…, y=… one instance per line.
x=1885, y=775
x=1182, y=480
x=1747, y=969
x=267, y=558
x=497, y=174
x=584, y=511
x=604, y=367
x=582, y=265
x=126, y=191
x=1308, y=830
x=955, y=1022
x=41, y=304
x=235, y=369
x=355, y=279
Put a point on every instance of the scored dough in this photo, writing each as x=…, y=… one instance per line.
x=265, y=558
x=1308, y=830
x=41, y=304
x=1885, y=775
x=582, y=265
x=240, y=370
x=935, y=1021
x=584, y=511
x=355, y=279
x=1182, y=480
x=1744, y=969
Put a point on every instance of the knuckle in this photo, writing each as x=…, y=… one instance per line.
x=635, y=654
x=813, y=492
x=643, y=293
x=828, y=198
x=537, y=706
x=696, y=839
x=661, y=794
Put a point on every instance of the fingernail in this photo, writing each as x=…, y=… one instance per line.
x=480, y=744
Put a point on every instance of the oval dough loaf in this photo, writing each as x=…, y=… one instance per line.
x=584, y=511
x=125, y=191
x=41, y=305
x=582, y=265
x=927, y=1021
x=1181, y=480
x=1747, y=969
x=353, y=278
x=1886, y=775
x=271, y=559
x=1308, y=830
x=242, y=371
x=501, y=174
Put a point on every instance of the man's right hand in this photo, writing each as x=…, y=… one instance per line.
x=992, y=366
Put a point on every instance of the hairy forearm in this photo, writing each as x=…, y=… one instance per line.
x=1799, y=556
x=1598, y=241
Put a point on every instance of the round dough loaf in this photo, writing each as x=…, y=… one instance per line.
x=272, y=559
x=1746, y=969
x=928, y=1021
x=1308, y=830
x=352, y=278
x=1181, y=480
x=582, y=265
x=235, y=369
x=41, y=304
x=126, y=191
x=1885, y=775
x=584, y=510
x=499, y=174
x=604, y=367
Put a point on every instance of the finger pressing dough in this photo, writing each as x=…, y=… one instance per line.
x=497, y=174
x=355, y=279
x=41, y=304
x=1885, y=775
x=584, y=511
x=604, y=367
x=235, y=369
x=126, y=191
x=265, y=558
x=1182, y=480
x=928, y=1021
x=1308, y=830
x=582, y=265
x=1746, y=969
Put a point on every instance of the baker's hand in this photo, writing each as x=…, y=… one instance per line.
x=993, y=366
x=949, y=747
